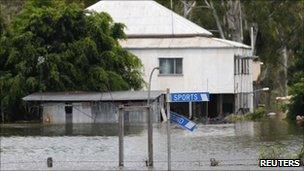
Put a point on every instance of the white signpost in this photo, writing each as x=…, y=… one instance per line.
x=187, y=124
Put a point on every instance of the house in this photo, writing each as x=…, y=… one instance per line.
x=189, y=57
x=95, y=107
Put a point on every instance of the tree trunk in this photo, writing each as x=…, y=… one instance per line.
x=217, y=20
x=234, y=20
x=285, y=67
x=188, y=6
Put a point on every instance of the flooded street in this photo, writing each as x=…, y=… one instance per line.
x=95, y=146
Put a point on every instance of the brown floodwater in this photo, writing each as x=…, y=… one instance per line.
x=95, y=146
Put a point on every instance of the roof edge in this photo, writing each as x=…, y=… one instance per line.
x=166, y=35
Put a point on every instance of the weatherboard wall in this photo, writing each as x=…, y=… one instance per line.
x=99, y=112
x=209, y=70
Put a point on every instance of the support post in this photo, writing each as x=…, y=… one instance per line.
x=168, y=128
x=150, y=137
x=190, y=110
x=121, y=135
x=207, y=112
x=207, y=107
x=49, y=162
x=220, y=104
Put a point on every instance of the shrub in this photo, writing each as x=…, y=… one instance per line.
x=256, y=115
x=296, y=106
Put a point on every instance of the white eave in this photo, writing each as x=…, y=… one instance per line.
x=145, y=18
x=180, y=43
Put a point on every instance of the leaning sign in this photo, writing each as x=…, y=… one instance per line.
x=189, y=97
x=182, y=121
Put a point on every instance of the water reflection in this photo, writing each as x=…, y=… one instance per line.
x=244, y=128
x=267, y=130
x=67, y=129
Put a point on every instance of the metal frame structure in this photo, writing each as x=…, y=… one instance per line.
x=121, y=111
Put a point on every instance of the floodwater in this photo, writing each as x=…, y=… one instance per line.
x=95, y=146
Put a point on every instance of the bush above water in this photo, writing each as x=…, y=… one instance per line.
x=256, y=115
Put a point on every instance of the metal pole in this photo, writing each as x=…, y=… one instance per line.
x=168, y=129
x=121, y=135
x=190, y=110
x=150, y=137
x=207, y=107
x=150, y=126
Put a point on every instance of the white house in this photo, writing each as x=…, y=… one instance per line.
x=189, y=57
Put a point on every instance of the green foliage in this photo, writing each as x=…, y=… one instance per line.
x=2, y=25
x=296, y=106
x=283, y=107
x=256, y=115
x=53, y=46
x=301, y=153
x=232, y=118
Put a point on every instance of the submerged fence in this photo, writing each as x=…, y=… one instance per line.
x=226, y=162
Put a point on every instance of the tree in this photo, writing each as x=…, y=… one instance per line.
x=296, y=107
x=53, y=46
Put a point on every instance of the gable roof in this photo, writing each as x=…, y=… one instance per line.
x=92, y=96
x=144, y=18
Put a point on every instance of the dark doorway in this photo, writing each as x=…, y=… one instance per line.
x=68, y=114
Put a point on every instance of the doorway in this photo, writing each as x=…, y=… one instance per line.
x=68, y=114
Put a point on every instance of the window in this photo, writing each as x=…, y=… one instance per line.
x=241, y=66
x=170, y=66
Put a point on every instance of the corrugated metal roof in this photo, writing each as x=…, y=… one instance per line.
x=147, y=17
x=180, y=42
x=92, y=96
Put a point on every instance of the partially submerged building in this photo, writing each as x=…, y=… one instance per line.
x=95, y=107
x=189, y=57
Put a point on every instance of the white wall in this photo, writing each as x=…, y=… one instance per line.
x=215, y=66
x=82, y=113
x=199, y=65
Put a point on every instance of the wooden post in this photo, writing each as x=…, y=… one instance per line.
x=49, y=162
x=150, y=136
x=220, y=105
x=121, y=134
x=168, y=129
x=207, y=112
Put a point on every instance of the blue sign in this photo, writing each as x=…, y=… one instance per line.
x=182, y=121
x=189, y=97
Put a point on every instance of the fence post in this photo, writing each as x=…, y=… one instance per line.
x=121, y=134
x=49, y=162
x=150, y=136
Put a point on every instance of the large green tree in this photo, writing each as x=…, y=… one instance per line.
x=53, y=46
